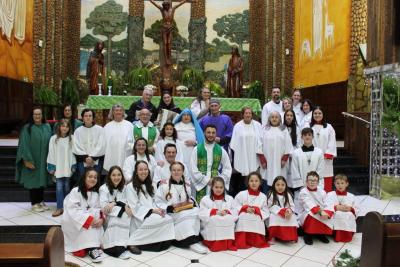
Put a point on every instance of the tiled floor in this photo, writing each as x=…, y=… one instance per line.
x=279, y=254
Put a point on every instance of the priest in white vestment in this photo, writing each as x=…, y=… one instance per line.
x=275, y=104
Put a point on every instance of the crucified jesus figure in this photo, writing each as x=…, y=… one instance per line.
x=167, y=12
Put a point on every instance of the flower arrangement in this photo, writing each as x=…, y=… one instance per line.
x=182, y=90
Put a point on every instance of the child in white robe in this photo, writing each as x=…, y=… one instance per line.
x=61, y=162
x=168, y=135
x=151, y=229
x=344, y=204
x=218, y=218
x=118, y=214
x=173, y=196
x=314, y=215
x=282, y=219
x=82, y=219
x=140, y=152
x=277, y=147
x=325, y=139
x=251, y=207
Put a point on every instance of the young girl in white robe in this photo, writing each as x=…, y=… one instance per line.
x=344, y=204
x=251, y=207
x=173, y=196
x=61, y=162
x=218, y=218
x=118, y=214
x=151, y=229
x=325, y=139
x=314, y=214
x=140, y=152
x=82, y=219
x=282, y=219
x=277, y=147
x=168, y=135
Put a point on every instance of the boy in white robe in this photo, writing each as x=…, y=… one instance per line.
x=173, y=196
x=151, y=229
x=208, y=160
x=344, y=204
x=251, y=207
x=89, y=144
x=325, y=139
x=218, y=218
x=314, y=214
x=118, y=138
x=82, y=219
x=118, y=214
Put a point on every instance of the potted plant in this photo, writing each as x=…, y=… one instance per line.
x=138, y=78
x=256, y=90
x=48, y=99
x=193, y=79
x=69, y=92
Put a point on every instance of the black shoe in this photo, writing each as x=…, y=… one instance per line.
x=323, y=239
x=308, y=239
x=134, y=250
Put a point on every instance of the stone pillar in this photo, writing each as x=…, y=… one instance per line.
x=38, y=32
x=135, y=34
x=49, y=48
x=197, y=34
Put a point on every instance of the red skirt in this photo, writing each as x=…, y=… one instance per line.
x=284, y=233
x=314, y=227
x=245, y=240
x=342, y=236
x=220, y=245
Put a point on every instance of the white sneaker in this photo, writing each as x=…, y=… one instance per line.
x=44, y=206
x=199, y=248
x=96, y=255
x=37, y=208
x=125, y=255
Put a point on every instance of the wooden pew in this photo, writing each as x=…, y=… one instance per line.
x=31, y=246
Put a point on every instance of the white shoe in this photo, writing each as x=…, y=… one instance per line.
x=44, y=206
x=199, y=248
x=37, y=208
x=125, y=255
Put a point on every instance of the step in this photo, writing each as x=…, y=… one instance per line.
x=8, y=150
x=7, y=160
x=342, y=151
x=22, y=195
x=344, y=160
x=347, y=169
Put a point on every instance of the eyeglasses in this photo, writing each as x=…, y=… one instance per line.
x=312, y=181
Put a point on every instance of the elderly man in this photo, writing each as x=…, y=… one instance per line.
x=221, y=121
x=274, y=105
x=144, y=102
x=145, y=128
x=118, y=136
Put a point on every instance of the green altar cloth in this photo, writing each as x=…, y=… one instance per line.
x=227, y=104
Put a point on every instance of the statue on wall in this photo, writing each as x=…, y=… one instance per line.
x=235, y=74
x=95, y=69
x=167, y=12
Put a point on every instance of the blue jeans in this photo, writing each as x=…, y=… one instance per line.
x=62, y=189
x=80, y=168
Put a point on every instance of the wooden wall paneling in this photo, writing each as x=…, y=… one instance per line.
x=356, y=140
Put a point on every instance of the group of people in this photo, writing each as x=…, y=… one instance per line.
x=188, y=177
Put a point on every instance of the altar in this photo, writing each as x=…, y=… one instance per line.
x=231, y=106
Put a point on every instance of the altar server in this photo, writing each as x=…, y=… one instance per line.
x=251, y=207
x=209, y=160
x=82, y=219
x=325, y=139
x=277, y=147
x=307, y=108
x=314, y=214
x=168, y=135
x=151, y=229
x=118, y=138
x=282, y=220
x=89, y=144
x=218, y=218
x=173, y=196
x=296, y=103
x=61, y=162
x=344, y=204
x=118, y=214
x=140, y=152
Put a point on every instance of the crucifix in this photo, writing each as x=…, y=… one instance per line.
x=167, y=11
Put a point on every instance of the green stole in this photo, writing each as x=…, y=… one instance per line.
x=152, y=133
x=202, y=165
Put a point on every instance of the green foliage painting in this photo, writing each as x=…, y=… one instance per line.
x=108, y=20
